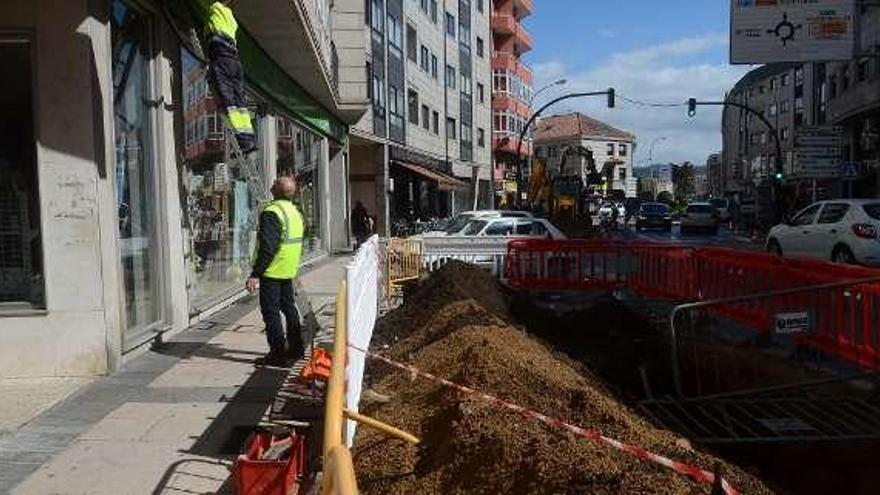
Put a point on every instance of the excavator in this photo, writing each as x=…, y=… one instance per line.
x=560, y=195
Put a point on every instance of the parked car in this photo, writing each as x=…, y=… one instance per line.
x=843, y=231
x=699, y=216
x=654, y=215
x=458, y=223
x=512, y=227
x=723, y=205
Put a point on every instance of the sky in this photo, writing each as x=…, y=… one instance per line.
x=649, y=51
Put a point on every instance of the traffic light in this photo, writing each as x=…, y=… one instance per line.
x=692, y=107
x=610, y=97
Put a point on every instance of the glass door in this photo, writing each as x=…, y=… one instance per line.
x=135, y=169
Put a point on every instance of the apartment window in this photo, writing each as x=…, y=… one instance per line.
x=784, y=80
x=434, y=11
x=434, y=66
x=435, y=122
x=799, y=104
x=450, y=128
x=423, y=61
x=464, y=35
x=799, y=75
x=466, y=84
x=622, y=149
x=785, y=134
x=426, y=117
x=21, y=260
x=772, y=84
x=378, y=90
x=395, y=41
x=481, y=90
x=412, y=43
x=610, y=149
x=621, y=173
x=784, y=106
x=553, y=151
x=395, y=108
x=772, y=110
x=414, y=107
x=376, y=16
x=763, y=138
x=481, y=138
x=832, y=86
x=450, y=24
x=423, y=4
x=480, y=5
x=450, y=77
x=480, y=47
x=844, y=78
x=762, y=89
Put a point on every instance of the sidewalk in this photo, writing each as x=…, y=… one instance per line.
x=172, y=420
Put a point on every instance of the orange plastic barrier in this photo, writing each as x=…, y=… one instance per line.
x=845, y=321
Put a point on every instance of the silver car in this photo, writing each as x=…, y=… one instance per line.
x=699, y=217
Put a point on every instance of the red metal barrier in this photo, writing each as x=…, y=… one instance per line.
x=845, y=321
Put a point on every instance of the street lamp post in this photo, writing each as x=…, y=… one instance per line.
x=651, y=149
x=519, y=162
x=558, y=82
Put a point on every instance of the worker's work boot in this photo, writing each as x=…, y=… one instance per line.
x=273, y=358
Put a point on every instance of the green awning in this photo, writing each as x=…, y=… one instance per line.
x=265, y=75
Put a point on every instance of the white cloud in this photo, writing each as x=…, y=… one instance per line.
x=665, y=73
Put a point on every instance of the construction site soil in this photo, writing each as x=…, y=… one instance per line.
x=456, y=324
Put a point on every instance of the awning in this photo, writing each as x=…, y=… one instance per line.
x=444, y=182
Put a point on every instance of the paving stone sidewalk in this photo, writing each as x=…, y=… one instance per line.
x=173, y=419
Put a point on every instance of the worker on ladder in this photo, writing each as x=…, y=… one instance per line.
x=225, y=70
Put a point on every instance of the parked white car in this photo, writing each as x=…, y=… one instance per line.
x=512, y=227
x=460, y=221
x=843, y=231
x=699, y=216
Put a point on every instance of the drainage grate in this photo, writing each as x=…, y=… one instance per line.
x=768, y=420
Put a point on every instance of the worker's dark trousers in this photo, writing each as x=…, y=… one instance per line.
x=227, y=79
x=276, y=299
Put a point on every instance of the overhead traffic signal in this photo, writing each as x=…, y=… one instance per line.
x=692, y=107
x=610, y=97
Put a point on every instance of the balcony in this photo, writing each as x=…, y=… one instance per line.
x=505, y=142
x=508, y=61
x=507, y=102
x=524, y=40
x=503, y=24
x=524, y=7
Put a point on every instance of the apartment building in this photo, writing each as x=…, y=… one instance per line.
x=421, y=150
x=124, y=216
x=612, y=148
x=512, y=83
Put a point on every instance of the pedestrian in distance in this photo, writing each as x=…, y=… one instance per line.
x=225, y=70
x=360, y=224
x=276, y=265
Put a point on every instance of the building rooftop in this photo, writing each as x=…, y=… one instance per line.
x=577, y=125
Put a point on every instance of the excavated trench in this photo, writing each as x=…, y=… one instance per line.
x=629, y=350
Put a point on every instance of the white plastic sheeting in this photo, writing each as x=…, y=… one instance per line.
x=362, y=309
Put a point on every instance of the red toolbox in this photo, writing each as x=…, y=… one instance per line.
x=255, y=474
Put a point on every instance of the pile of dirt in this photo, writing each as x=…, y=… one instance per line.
x=457, y=326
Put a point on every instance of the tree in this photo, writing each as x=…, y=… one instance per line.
x=683, y=181
x=665, y=197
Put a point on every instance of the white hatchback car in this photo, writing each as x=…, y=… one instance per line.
x=457, y=224
x=699, y=216
x=513, y=227
x=843, y=230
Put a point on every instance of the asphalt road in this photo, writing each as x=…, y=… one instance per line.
x=724, y=238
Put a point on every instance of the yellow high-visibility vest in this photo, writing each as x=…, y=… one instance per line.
x=285, y=265
x=220, y=19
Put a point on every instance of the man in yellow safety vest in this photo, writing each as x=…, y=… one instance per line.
x=276, y=264
x=226, y=72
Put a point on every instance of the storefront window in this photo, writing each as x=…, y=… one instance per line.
x=21, y=260
x=135, y=186
x=220, y=205
x=299, y=155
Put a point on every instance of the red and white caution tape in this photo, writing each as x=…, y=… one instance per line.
x=700, y=475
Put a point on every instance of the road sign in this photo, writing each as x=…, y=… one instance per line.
x=767, y=31
x=788, y=323
x=818, y=152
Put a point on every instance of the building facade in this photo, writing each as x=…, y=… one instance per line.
x=714, y=176
x=612, y=149
x=422, y=148
x=126, y=218
x=511, y=90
